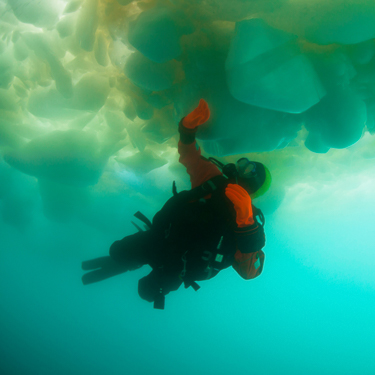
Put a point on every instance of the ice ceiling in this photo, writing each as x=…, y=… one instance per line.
x=91, y=92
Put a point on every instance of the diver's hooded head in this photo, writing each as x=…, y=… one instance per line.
x=254, y=177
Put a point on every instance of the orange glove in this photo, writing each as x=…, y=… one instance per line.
x=242, y=204
x=197, y=117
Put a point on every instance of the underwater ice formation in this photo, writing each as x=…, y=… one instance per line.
x=98, y=86
x=265, y=68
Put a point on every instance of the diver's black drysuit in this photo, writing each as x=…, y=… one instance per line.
x=191, y=238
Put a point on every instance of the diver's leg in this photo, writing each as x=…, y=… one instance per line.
x=101, y=268
x=128, y=254
x=137, y=249
x=149, y=287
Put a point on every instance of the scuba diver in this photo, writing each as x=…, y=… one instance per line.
x=198, y=232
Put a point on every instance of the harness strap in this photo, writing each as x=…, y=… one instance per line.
x=258, y=212
x=159, y=301
x=137, y=226
x=191, y=283
x=143, y=218
x=187, y=281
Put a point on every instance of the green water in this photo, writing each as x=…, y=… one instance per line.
x=91, y=93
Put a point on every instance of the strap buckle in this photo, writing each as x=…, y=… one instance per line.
x=209, y=186
x=184, y=260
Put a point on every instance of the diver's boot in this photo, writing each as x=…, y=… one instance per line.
x=105, y=267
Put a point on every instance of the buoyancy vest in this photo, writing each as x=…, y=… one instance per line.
x=197, y=227
x=197, y=224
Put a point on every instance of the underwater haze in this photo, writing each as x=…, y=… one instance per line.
x=91, y=94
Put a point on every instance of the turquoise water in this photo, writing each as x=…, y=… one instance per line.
x=311, y=311
x=91, y=93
